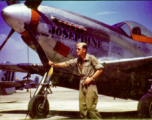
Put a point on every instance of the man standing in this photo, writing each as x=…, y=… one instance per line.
x=89, y=68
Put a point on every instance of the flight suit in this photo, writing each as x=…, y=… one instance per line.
x=88, y=94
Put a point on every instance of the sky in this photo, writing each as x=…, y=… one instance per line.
x=108, y=12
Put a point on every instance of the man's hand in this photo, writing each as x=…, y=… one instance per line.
x=88, y=80
x=62, y=64
x=50, y=63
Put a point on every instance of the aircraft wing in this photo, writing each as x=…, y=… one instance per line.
x=9, y=84
x=127, y=64
x=125, y=78
x=31, y=68
x=23, y=67
x=61, y=76
x=119, y=77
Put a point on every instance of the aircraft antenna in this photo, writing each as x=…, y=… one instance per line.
x=28, y=70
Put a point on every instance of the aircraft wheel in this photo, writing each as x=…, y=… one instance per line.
x=144, y=106
x=34, y=107
x=150, y=109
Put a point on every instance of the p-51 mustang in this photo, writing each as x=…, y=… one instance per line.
x=124, y=49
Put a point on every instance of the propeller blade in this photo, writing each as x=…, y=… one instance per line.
x=50, y=71
x=12, y=2
x=42, y=55
x=11, y=32
x=33, y=4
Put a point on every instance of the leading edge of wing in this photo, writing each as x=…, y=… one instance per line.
x=32, y=68
x=23, y=67
x=128, y=63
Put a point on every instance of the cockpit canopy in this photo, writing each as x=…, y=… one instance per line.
x=135, y=31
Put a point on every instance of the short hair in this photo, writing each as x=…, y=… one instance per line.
x=84, y=45
x=136, y=31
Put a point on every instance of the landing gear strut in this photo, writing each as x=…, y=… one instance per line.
x=38, y=106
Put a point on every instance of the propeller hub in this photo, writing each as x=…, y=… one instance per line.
x=17, y=15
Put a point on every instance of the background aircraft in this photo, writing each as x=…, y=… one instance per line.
x=107, y=43
x=9, y=83
x=27, y=83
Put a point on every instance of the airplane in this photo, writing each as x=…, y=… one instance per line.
x=9, y=83
x=27, y=83
x=124, y=49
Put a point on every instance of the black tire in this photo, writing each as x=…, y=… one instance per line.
x=144, y=105
x=150, y=109
x=34, y=107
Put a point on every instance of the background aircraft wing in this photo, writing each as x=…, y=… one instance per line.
x=9, y=84
x=23, y=67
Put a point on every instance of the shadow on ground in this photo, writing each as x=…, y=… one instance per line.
x=105, y=115
x=75, y=115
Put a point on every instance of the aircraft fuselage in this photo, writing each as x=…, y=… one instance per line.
x=103, y=41
x=58, y=31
